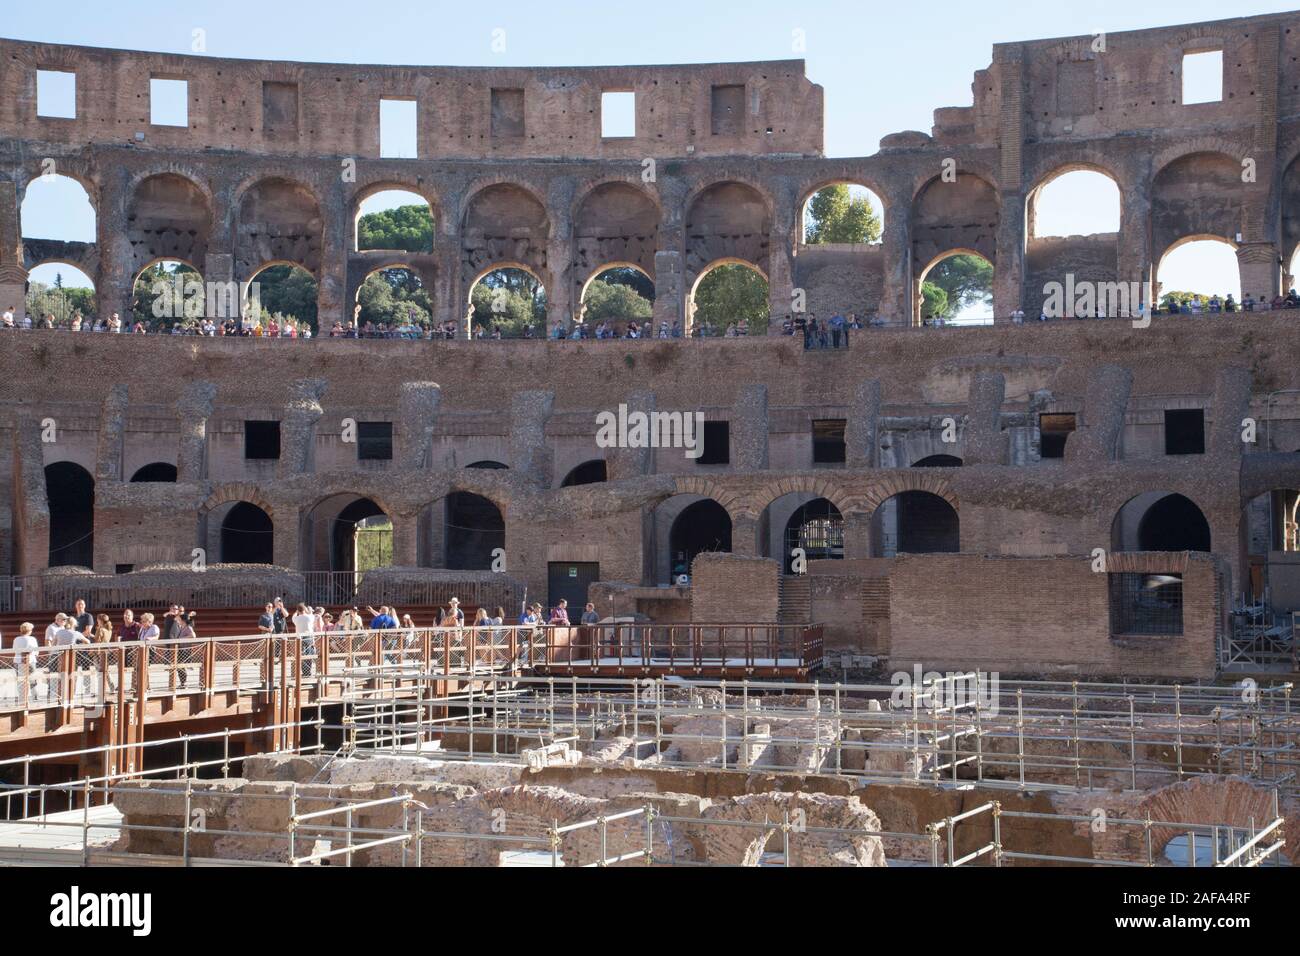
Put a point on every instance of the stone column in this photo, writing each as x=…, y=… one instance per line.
x=405, y=526
x=1134, y=251
x=1104, y=408
x=857, y=535
x=745, y=531
x=1009, y=269
x=862, y=430
x=298, y=428
x=896, y=307
x=749, y=422
x=113, y=282
x=530, y=453
x=417, y=412
x=985, y=442
x=112, y=435
x=559, y=287
x=336, y=240
x=13, y=273
x=285, y=543
x=193, y=409
x=670, y=280
x=780, y=271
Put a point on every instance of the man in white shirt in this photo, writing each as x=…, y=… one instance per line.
x=7, y=320
x=25, y=648
x=304, y=624
x=59, y=620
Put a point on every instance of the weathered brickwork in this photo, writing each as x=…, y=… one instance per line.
x=515, y=171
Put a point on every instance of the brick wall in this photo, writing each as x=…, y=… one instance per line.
x=1043, y=615
x=728, y=589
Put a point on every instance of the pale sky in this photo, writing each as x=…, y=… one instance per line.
x=885, y=67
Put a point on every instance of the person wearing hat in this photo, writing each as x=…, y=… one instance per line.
x=453, y=616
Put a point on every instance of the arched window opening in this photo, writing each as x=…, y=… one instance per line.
x=729, y=299
x=843, y=213
x=1081, y=202
x=915, y=522
x=247, y=535
x=394, y=220
x=56, y=292
x=159, y=471
x=702, y=526
x=508, y=303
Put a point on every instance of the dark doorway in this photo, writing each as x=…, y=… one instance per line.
x=475, y=529
x=1174, y=523
x=70, y=490
x=703, y=526
x=570, y=580
x=818, y=528
x=343, y=534
x=247, y=536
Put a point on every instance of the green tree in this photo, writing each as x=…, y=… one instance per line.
x=934, y=301
x=732, y=293
x=409, y=228
x=394, y=297
x=1183, y=299
x=607, y=300
x=511, y=299
x=966, y=281
x=836, y=215
x=59, y=301
x=160, y=301
x=289, y=291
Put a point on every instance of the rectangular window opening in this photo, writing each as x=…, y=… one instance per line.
x=398, y=129
x=56, y=94
x=1053, y=431
x=717, y=444
x=1203, y=77
x=169, y=102
x=617, y=114
x=1145, y=604
x=261, y=441
x=1184, y=431
x=374, y=441
x=828, y=441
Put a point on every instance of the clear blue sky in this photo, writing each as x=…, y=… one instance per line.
x=885, y=66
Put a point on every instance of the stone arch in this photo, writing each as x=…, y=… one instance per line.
x=727, y=220
x=949, y=217
x=1232, y=801
x=1055, y=172
x=503, y=221
x=237, y=492
x=732, y=502
x=600, y=270
x=278, y=220
x=1160, y=520
x=169, y=216
x=806, y=192
x=367, y=186
x=923, y=479
x=614, y=221
x=819, y=487
x=855, y=842
x=918, y=300
x=1198, y=192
